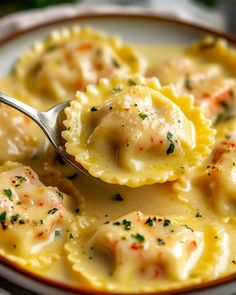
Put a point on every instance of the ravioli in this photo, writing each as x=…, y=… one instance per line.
x=133, y=132
x=18, y=141
x=34, y=218
x=202, y=73
x=221, y=174
x=151, y=250
x=69, y=59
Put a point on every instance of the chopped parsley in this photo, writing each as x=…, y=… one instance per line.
x=160, y=242
x=8, y=193
x=166, y=222
x=188, y=227
x=60, y=194
x=3, y=217
x=170, y=149
x=77, y=210
x=143, y=116
x=188, y=83
x=14, y=218
x=138, y=237
x=198, y=214
x=224, y=104
x=219, y=119
x=150, y=221
x=52, y=211
x=21, y=179
x=115, y=63
x=170, y=136
x=93, y=109
x=57, y=233
x=52, y=47
x=131, y=82
x=71, y=237
x=117, y=197
x=116, y=89
x=127, y=224
x=116, y=223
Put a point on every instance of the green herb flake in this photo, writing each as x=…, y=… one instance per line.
x=117, y=197
x=21, y=179
x=138, y=237
x=71, y=237
x=41, y=221
x=188, y=227
x=170, y=136
x=166, y=222
x=77, y=210
x=3, y=217
x=52, y=211
x=60, y=194
x=52, y=47
x=116, y=223
x=93, y=109
x=8, y=193
x=116, y=89
x=14, y=218
x=115, y=63
x=219, y=119
x=150, y=221
x=131, y=82
x=170, y=149
x=198, y=214
x=127, y=224
x=57, y=233
x=224, y=104
x=188, y=83
x=143, y=116
x=160, y=242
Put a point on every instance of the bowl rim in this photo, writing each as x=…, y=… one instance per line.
x=147, y=15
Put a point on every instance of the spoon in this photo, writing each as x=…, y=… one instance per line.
x=50, y=122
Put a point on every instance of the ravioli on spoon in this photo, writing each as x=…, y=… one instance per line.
x=132, y=131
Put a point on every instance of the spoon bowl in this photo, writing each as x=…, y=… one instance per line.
x=50, y=122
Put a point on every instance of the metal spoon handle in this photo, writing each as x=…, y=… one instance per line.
x=48, y=121
x=20, y=106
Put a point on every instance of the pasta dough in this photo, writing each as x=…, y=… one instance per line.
x=143, y=248
x=33, y=217
x=70, y=59
x=133, y=132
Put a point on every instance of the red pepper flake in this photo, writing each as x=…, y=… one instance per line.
x=84, y=47
x=141, y=149
x=161, y=141
x=157, y=273
x=135, y=246
x=193, y=244
x=40, y=203
x=206, y=95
